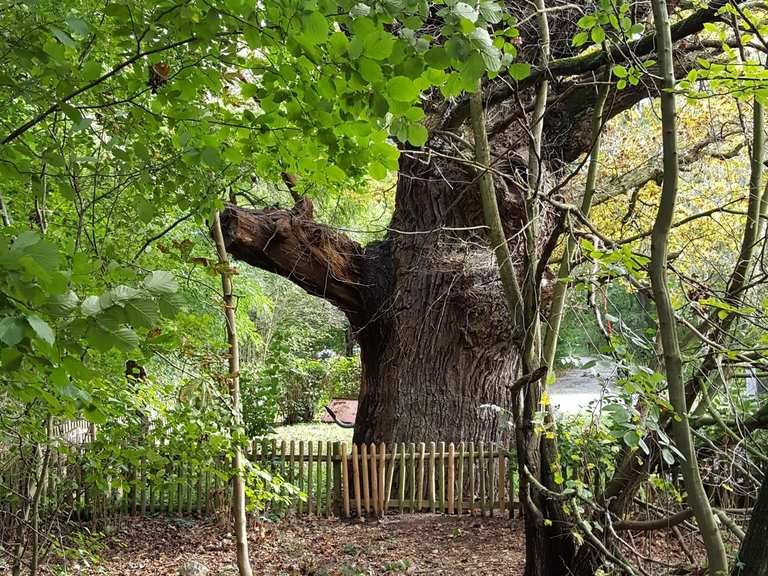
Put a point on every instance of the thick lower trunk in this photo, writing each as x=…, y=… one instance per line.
x=438, y=343
x=440, y=349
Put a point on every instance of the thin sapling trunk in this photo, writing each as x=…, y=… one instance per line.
x=238, y=481
x=697, y=497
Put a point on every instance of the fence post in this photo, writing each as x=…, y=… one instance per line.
x=374, y=471
x=301, y=475
x=412, y=475
x=432, y=494
x=451, y=463
x=491, y=478
x=345, y=479
x=483, y=502
x=472, y=478
x=319, y=479
x=390, y=476
x=356, y=481
x=328, y=477
x=382, y=476
x=309, y=477
x=461, y=478
x=502, y=480
x=337, y=476
x=420, y=489
x=401, y=504
x=442, y=477
x=365, y=481
x=511, y=474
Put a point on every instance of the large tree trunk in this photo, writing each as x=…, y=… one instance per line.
x=441, y=345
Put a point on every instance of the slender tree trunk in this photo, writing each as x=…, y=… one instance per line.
x=738, y=279
x=238, y=481
x=564, y=270
x=491, y=215
x=697, y=497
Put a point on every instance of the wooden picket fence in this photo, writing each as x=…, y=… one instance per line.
x=334, y=479
x=378, y=479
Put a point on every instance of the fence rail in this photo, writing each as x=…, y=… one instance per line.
x=334, y=479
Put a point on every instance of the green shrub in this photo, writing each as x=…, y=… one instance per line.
x=261, y=402
x=344, y=374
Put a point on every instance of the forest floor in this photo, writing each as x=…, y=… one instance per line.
x=412, y=544
x=301, y=546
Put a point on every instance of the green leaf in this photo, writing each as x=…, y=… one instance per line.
x=78, y=26
x=377, y=171
x=520, y=71
x=11, y=330
x=598, y=35
x=370, y=70
x=63, y=37
x=145, y=210
x=360, y=9
x=586, y=21
x=210, y=156
x=62, y=304
x=315, y=27
x=437, y=57
x=160, y=282
x=491, y=12
x=91, y=306
x=417, y=134
x=464, y=10
x=414, y=114
x=579, y=39
x=142, y=312
x=121, y=294
x=378, y=44
x=632, y=438
x=170, y=304
x=124, y=339
x=32, y=248
x=402, y=89
x=491, y=55
x=42, y=329
x=619, y=71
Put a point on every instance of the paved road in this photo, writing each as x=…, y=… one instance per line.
x=575, y=388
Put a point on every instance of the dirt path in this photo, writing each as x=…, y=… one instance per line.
x=418, y=544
